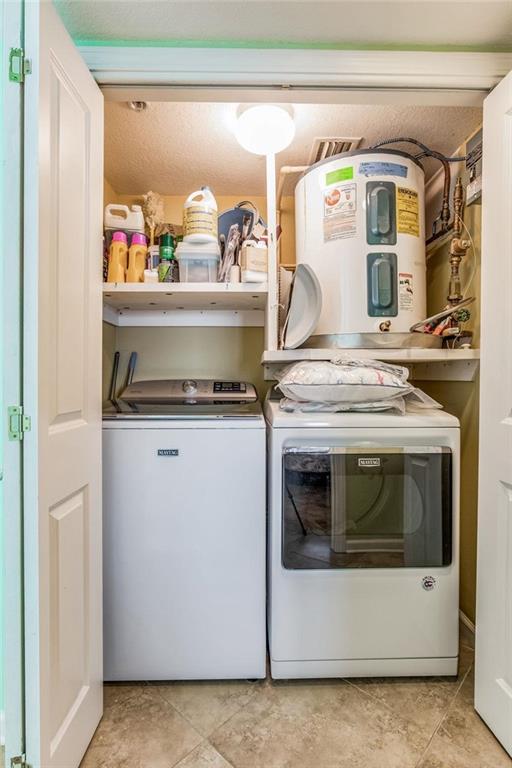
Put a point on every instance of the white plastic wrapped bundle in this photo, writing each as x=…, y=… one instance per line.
x=347, y=384
x=343, y=381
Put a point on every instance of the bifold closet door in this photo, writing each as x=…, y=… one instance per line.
x=493, y=679
x=63, y=185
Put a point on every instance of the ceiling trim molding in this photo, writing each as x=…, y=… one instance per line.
x=205, y=67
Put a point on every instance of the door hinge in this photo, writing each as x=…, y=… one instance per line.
x=19, y=65
x=19, y=761
x=18, y=423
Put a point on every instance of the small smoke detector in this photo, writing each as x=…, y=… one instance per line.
x=332, y=145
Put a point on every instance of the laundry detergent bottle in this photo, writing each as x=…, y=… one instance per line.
x=118, y=258
x=200, y=216
x=137, y=259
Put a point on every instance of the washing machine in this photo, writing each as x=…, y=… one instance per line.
x=363, y=543
x=184, y=532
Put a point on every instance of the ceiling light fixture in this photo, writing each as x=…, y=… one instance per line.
x=265, y=129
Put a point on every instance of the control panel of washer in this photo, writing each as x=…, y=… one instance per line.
x=189, y=391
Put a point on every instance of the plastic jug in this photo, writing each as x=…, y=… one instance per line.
x=121, y=217
x=137, y=259
x=118, y=258
x=200, y=217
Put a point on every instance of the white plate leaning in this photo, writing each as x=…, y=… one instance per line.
x=304, y=309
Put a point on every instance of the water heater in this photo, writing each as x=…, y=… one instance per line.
x=360, y=225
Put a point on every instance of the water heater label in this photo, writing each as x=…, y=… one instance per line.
x=383, y=169
x=340, y=174
x=340, y=208
x=407, y=212
x=405, y=292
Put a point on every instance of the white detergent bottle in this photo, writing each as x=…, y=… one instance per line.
x=200, y=217
x=121, y=217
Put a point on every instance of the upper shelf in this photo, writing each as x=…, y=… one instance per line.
x=424, y=364
x=154, y=296
x=184, y=303
x=415, y=355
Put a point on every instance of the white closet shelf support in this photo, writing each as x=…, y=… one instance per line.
x=154, y=304
x=424, y=364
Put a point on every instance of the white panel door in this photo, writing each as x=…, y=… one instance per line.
x=62, y=388
x=493, y=693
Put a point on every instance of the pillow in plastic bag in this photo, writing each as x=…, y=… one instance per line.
x=392, y=405
x=343, y=381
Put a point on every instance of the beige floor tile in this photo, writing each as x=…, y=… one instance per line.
x=144, y=731
x=423, y=700
x=207, y=705
x=118, y=693
x=318, y=724
x=463, y=740
x=203, y=756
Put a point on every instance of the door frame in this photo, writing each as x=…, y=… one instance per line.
x=11, y=508
x=436, y=78
x=288, y=74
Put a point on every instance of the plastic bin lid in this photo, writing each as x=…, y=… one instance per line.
x=198, y=251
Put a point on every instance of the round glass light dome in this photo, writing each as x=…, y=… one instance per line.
x=265, y=129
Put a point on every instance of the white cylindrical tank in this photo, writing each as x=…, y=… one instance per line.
x=360, y=225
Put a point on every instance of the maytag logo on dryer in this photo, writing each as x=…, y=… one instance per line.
x=366, y=461
x=168, y=452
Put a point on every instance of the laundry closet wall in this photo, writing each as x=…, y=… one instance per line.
x=174, y=212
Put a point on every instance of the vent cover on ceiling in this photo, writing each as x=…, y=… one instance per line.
x=332, y=145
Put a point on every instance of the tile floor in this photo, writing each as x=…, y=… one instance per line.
x=363, y=723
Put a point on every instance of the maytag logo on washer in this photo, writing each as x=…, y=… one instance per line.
x=428, y=583
x=368, y=462
x=168, y=452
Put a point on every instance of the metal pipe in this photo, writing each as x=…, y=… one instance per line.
x=458, y=246
x=458, y=204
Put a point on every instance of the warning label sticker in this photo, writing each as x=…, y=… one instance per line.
x=340, y=208
x=407, y=211
x=382, y=169
x=405, y=292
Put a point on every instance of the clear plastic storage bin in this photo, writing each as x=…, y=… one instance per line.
x=198, y=263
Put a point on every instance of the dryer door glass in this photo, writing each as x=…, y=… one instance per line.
x=359, y=508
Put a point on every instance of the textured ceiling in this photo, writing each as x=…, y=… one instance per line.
x=483, y=23
x=174, y=148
